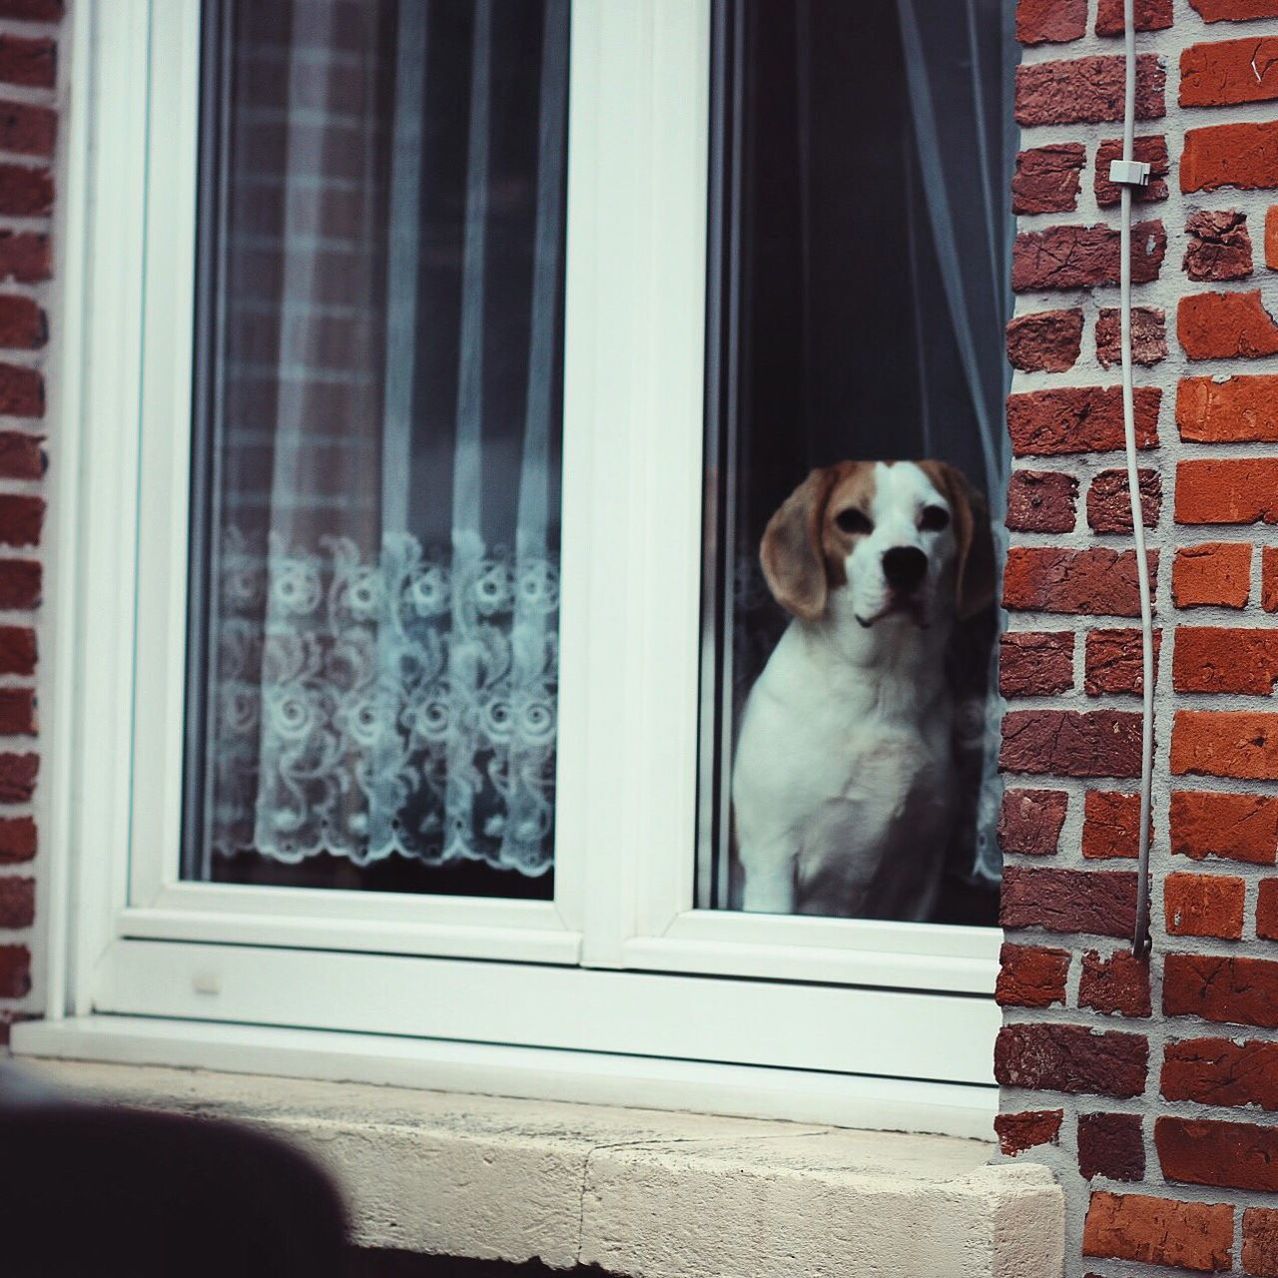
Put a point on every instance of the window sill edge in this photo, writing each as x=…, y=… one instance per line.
x=572, y=1183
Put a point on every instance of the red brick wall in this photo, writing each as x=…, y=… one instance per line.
x=1150, y=1088
x=29, y=109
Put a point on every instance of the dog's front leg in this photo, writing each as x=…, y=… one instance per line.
x=840, y=858
x=769, y=877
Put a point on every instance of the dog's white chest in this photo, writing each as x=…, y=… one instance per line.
x=865, y=741
x=836, y=762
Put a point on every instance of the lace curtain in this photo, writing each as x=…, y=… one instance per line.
x=384, y=559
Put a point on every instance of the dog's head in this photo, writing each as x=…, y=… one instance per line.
x=906, y=540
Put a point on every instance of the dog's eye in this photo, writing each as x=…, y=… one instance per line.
x=854, y=521
x=934, y=518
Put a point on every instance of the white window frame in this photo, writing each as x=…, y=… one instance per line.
x=621, y=962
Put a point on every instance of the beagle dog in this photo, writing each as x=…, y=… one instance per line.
x=841, y=783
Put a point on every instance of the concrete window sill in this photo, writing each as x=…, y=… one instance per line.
x=636, y=1192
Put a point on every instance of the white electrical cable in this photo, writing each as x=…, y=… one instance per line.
x=1129, y=174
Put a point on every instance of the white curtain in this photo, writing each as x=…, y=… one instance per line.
x=386, y=620
x=960, y=59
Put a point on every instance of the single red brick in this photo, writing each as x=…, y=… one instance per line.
x=1228, y=72
x=1260, y=1242
x=1235, y=827
x=27, y=129
x=29, y=62
x=1149, y=336
x=1115, y=985
x=20, y=582
x=1088, y=901
x=1239, y=409
x=25, y=256
x=15, y=971
x=1269, y=578
x=1151, y=15
x=1094, y=743
x=17, y=902
x=1019, y=1132
x=1114, y=662
x=1087, y=90
x=17, y=712
x=1227, y=490
x=31, y=10
x=1109, y=507
x=1219, y=1071
x=1047, y=178
x=1093, y=582
x=18, y=777
x=1073, y=257
x=1239, y=155
x=1048, y=342
x=1041, y=501
x=25, y=191
x=1235, y=10
x=21, y=391
x=23, y=325
x=1219, y=245
x=1224, y=1155
x=1050, y=21
x=1267, y=910
x=17, y=650
x=1203, y=905
x=1225, y=326
x=1111, y=1145
x=1071, y=1058
x=1215, y=573
x=1150, y=149
x=1031, y=976
x=17, y=839
x=21, y=456
x=1079, y=419
x=1111, y=825
x=1035, y=664
x=1234, y=991
x=1160, y=1231
x=1224, y=659
x=21, y=519
x=1225, y=743
x=1030, y=821
x=1271, y=237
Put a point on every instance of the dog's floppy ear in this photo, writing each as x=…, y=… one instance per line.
x=791, y=553
x=974, y=572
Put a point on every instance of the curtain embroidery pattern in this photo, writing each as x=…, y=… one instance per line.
x=344, y=727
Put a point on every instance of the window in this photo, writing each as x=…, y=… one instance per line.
x=435, y=421
x=844, y=323
x=376, y=573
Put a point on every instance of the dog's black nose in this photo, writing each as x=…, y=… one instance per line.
x=904, y=567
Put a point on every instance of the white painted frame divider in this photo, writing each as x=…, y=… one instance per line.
x=621, y=962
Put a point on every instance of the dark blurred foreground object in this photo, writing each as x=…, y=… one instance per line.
x=86, y=1190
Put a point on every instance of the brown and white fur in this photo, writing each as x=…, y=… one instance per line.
x=841, y=783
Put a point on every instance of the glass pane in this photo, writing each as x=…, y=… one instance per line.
x=374, y=634
x=859, y=245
